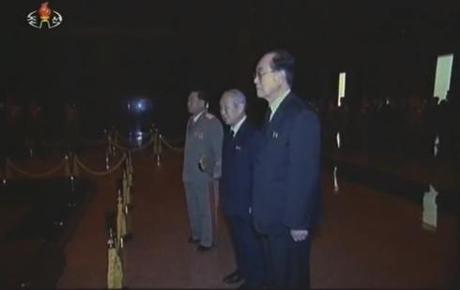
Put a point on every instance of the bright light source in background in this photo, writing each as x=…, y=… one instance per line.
x=139, y=136
x=443, y=76
x=139, y=105
x=342, y=81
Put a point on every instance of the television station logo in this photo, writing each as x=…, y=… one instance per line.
x=44, y=17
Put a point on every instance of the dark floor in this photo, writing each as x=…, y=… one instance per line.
x=370, y=237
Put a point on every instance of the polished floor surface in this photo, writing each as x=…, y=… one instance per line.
x=371, y=235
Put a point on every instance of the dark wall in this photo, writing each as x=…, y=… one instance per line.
x=104, y=52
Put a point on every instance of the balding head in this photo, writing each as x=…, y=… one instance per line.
x=232, y=106
x=236, y=96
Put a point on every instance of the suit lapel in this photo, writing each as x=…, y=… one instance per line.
x=277, y=119
x=280, y=112
x=241, y=130
x=236, y=143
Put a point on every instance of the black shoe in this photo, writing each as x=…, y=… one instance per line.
x=191, y=240
x=233, y=278
x=201, y=248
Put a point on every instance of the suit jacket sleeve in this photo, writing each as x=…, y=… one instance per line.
x=304, y=171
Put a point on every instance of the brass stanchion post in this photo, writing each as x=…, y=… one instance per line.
x=114, y=265
x=67, y=171
x=121, y=222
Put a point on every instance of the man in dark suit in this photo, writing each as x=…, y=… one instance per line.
x=286, y=190
x=238, y=155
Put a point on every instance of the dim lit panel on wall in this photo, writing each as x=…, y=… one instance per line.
x=342, y=82
x=443, y=76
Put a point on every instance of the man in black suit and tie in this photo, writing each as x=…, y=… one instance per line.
x=238, y=155
x=286, y=190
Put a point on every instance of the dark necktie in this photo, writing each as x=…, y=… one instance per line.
x=267, y=115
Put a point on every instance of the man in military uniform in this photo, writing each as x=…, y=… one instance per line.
x=202, y=165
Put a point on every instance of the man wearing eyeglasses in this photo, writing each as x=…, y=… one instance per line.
x=286, y=190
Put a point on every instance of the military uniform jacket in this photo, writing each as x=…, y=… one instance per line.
x=203, y=140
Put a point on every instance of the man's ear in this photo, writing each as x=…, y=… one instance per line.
x=280, y=76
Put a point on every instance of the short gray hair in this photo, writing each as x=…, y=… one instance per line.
x=237, y=96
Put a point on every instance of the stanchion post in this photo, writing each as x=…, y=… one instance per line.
x=126, y=189
x=114, y=142
x=114, y=265
x=109, y=142
x=129, y=165
x=67, y=171
x=75, y=169
x=157, y=147
x=107, y=161
x=125, y=204
x=160, y=150
x=121, y=221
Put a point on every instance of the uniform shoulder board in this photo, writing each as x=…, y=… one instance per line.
x=209, y=116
